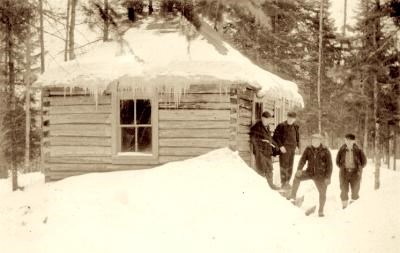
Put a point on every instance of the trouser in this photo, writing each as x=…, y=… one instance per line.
x=264, y=167
x=319, y=183
x=349, y=179
x=286, y=164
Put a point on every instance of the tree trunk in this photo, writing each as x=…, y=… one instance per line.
x=151, y=7
x=106, y=21
x=365, y=139
x=72, y=30
x=377, y=151
x=388, y=145
x=394, y=147
x=28, y=102
x=344, y=18
x=12, y=103
x=41, y=39
x=321, y=12
x=377, y=146
x=216, y=15
x=67, y=31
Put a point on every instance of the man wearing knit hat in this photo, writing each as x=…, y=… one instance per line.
x=319, y=169
x=287, y=137
x=263, y=146
x=351, y=160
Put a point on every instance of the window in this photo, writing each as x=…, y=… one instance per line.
x=135, y=126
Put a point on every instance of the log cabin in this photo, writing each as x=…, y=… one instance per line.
x=165, y=92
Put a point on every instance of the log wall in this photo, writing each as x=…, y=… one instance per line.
x=78, y=133
x=198, y=124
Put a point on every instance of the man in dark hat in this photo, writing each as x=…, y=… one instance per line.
x=351, y=160
x=319, y=169
x=287, y=137
x=262, y=147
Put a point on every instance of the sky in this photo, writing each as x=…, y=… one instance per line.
x=337, y=7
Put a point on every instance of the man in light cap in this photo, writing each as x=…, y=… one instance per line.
x=319, y=169
x=287, y=136
x=351, y=160
x=263, y=145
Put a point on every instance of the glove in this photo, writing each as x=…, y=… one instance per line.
x=299, y=173
x=283, y=149
x=327, y=181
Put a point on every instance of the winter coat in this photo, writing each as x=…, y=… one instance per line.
x=319, y=162
x=258, y=133
x=281, y=132
x=359, y=157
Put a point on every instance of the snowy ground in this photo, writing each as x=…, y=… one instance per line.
x=213, y=203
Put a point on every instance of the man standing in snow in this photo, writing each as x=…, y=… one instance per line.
x=319, y=169
x=287, y=137
x=263, y=145
x=351, y=160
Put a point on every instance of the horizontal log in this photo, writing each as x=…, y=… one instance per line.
x=245, y=121
x=84, y=118
x=245, y=103
x=79, y=159
x=55, y=176
x=243, y=137
x=79, y=151
x=208, y=88
x=78, y=100
x=167, y=159
x=171, y=151
x=193, y=133
x=194, y=115
x=79, y=141
x=243, y=112
x=196, y=98
x=211, y=125
x=101, y=167
x=79, y=109
x=194, y=142
x=85, y=130
x=194, y=106
x=76, y=91
x=243, y=129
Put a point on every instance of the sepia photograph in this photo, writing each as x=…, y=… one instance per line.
x=199, y=126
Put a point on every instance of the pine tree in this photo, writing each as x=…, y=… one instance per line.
x=15, y=17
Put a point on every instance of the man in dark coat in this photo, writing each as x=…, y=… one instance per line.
x=351, y=160
x=319, y=169
x=262, y=143
x=287, y=136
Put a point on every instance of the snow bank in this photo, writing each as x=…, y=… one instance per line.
x=162, y=53
x=212, y=203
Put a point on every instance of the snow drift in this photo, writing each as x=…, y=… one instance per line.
x=212, y=203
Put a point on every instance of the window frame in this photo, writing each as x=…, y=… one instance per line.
x=134, y=157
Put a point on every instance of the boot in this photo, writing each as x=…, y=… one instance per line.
x=345, y=203
x=321, y=213
x=271, y=184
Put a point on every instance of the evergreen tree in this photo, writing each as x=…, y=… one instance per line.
x=16, y=18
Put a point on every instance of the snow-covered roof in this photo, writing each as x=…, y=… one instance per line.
x=172, y=54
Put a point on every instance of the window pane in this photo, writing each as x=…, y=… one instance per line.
x=127, y=139
x=127, y=108
x=143, y=111
x=144, y=139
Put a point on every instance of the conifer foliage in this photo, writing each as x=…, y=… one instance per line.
x=16, y=19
